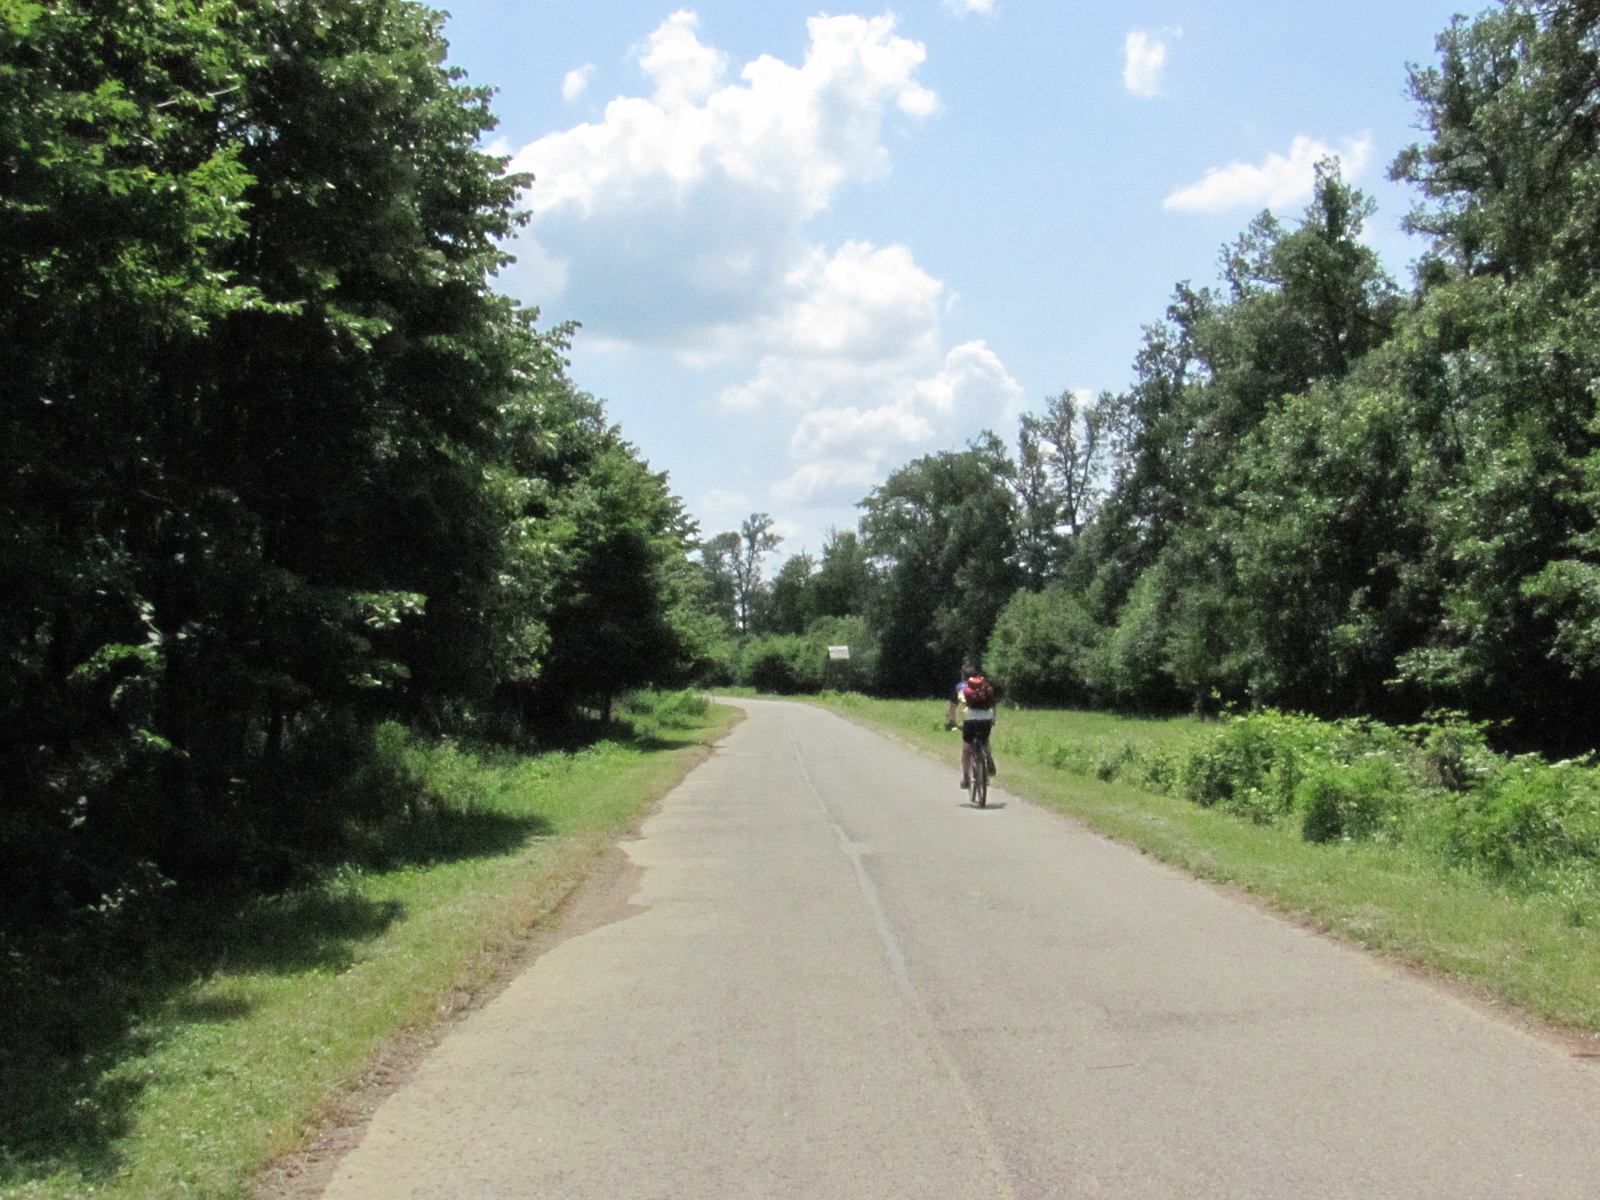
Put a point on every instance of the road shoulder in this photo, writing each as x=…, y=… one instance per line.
x=588, y=884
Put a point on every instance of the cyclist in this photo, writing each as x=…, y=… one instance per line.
x=975, y=697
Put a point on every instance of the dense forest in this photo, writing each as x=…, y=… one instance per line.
x=1323, y=491
x=277, y=462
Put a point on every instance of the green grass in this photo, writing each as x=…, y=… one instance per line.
x=190, y=1087
x=1522, y=948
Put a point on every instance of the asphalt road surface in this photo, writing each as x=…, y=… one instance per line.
x=833, y=979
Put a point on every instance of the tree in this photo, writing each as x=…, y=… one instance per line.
x=1043, y=648
x=276, y=461
x=790, y=603
x=941, y=528
x=1062, y=459
x=1503, y=358
x=845, y=579
x=617, y=616
x=252, y=364
x=745, y=560
x=717, y=554
x=1303, y=306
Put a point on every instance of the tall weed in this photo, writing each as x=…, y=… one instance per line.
x=1520, y=822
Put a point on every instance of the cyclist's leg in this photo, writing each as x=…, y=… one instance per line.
x=966, y=754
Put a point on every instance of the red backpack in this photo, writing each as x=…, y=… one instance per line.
x=980, y=693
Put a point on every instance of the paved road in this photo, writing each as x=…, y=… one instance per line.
x=833, y=980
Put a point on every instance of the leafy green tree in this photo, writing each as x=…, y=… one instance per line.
x=1043, y=648
x=734, y=564
x=275, y=459
x=1330, y=542
x=1302, y=305
x=624, y=603
x=845, y=578
x=717, y=554
x=252, y=361
x=790, y=603
x=1504, y=357
x=1062, y=459
x=748, y=562
x=942, y=528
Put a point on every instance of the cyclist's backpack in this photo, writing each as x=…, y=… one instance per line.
x=980, y=693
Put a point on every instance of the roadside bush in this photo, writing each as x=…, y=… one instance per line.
x=1251, y=767
x=1438, y=786
x=719, y=666
x=650, y=711
x=1527, y=817
x=1350, y=801
x=784, y=663
x=1042, y=648
x=1455, y=752
x=852, y=674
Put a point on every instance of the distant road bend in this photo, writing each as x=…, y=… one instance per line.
x=834, y=980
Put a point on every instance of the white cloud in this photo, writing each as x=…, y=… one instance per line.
x=1144, y=56
x=787, y=531
x=843, y=448
x=972, y=378
x=831, y=479
x=575, y=81
x=689, y=214
x=684, y=70
x=535, y=274
x=1275, y=182
x=835, y=432
x=855, y=320
x=679, y=222
x=962, y=7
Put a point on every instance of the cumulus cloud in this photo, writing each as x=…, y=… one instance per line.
x=678, y=221
x=684, y=71
x=842, y=449
x=962, y=7
x=1274, y=182
x=688, y=209
x=857, y=350
x=1144, y=57
x=856, y=319
x=722, y=503
x=575, y=81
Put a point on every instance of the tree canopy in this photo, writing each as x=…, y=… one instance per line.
x=276, y=460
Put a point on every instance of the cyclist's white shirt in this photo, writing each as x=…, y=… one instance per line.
x=972, y=714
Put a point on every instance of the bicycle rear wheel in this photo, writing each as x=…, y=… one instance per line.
x=980, y=777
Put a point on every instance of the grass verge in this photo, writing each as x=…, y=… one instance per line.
x=1515, y=947
x=210, y=1076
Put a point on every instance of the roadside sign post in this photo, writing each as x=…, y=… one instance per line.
x=834, y=674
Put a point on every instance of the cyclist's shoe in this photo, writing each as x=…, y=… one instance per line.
x=965, y=784
x=993, y=770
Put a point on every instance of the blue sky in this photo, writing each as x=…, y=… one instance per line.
x=806, y=248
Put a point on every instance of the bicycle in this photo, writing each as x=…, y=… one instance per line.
x=978, y=780
x=978, y=774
